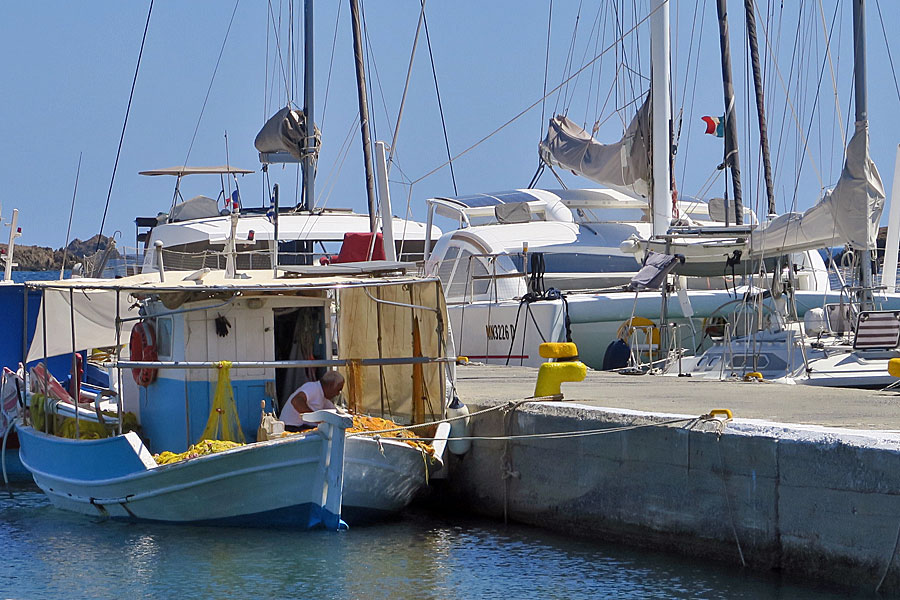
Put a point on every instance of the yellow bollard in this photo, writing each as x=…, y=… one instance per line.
x=553, y=374
x=558, y=350
x=894, y=367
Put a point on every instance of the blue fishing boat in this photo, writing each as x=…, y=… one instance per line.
x=212, y=352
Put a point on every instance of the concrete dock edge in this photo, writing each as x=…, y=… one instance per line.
x=815, y=502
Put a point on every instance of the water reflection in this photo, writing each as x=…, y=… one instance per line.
x=47, y=551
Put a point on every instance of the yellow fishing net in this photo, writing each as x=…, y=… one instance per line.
x=364, y=423
x=201, y=448
x=223, y=423
x=87, y=429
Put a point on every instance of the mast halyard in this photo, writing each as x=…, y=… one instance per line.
x=760, y=104
x=862, y=118
x=731, y=149
x=309, y=156
x=363, y=112
x=661, y=148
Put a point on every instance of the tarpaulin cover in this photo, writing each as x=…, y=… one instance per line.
x=95, y=327
x=848, y=214
x=387, y=391
x=624, y=164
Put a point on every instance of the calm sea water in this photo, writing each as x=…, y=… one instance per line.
x=51, y=553
x=45, y=552
x=21, y=276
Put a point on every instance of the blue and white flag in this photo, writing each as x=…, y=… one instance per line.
x=270, y=213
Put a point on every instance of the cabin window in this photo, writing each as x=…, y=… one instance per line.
x=468, y=269
x=583, y=262
x=445, y=270
x=164, y=337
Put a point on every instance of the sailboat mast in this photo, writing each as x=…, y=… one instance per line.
x=731, y=149
x=862, y=116
x=309, y=164
x=661, y=195
x=363, y=111
x=760, y=104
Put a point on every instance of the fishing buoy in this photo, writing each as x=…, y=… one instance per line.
x=459, y=428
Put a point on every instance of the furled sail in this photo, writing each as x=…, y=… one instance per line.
x=285, y=131
x=624, y=164
x=847, y=214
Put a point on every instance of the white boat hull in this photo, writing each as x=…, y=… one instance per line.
x=490, y=331
x=382, y=478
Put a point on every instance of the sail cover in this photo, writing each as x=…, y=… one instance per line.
x=285, y=131
x=624, y=164
x=847, y=214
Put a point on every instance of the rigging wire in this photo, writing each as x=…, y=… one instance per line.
x=437, y=92
x=837, y=104
x=412, y=56
x=534, y=104
x=211, y=80
x=570, y=57
x=687, y=140
x=790, y=104
x=546, y=69
x=888, y=47
x=287, y=87
x=331, y=64
x=62, y=268
x=813, y=113
x=112, y=179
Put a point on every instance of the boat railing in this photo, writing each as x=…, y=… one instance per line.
x=132, y=260
x=281, y=364
x=473, y=276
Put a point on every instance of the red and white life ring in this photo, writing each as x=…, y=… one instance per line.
x=143, y=348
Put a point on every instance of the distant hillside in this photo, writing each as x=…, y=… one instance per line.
x=41, y=258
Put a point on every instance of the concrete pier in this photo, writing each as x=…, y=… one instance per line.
x=803, y=480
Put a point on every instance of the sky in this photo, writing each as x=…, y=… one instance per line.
x=68, y=71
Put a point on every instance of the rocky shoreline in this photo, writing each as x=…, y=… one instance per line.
x=42, y=258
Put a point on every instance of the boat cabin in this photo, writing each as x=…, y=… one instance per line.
x=383, y=329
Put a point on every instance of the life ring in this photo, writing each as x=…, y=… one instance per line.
x=143, y=348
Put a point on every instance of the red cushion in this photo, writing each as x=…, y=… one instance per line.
x=355, y=248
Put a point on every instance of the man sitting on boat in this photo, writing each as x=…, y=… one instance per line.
x=310, y=397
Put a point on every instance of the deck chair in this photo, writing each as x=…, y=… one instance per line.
x=877, y=330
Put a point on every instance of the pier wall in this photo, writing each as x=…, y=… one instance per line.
x=816, y=502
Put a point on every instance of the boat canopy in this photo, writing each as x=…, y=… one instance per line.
x=325, y=226
x=182, y=170
x=624, y=165
x=93, y=301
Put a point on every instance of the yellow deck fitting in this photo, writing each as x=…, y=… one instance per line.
x=754, y=376
x=553, y=374
x=462, y=360
x=724, y=412
x=894, y=367
x=558, y=350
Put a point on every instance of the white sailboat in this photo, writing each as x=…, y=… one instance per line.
x=589, y=243
x=846, y=343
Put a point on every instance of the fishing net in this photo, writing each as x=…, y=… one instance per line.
x=201, y=448
x=223, y=423
x=366, y=423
